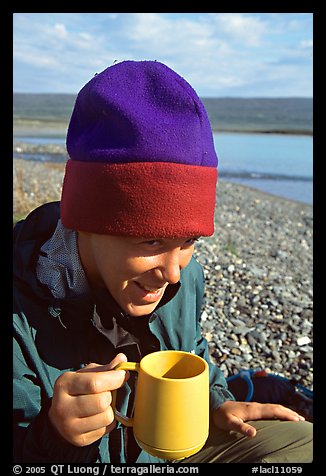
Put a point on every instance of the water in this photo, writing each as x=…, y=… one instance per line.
x=274, y=163
x=281, y=164
x=278, y=164
x=42, y=140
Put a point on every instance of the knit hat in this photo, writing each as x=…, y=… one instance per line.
x=142, y=159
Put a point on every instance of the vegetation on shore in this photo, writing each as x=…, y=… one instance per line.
x=35, y=183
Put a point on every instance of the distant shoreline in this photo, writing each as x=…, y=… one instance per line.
x=261, y=131
x=288, y=115
x=41, y=128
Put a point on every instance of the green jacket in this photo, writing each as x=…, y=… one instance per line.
x=54, y=336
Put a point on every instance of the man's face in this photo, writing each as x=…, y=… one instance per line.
x=136, y=271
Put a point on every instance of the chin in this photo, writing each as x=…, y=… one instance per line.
x=139, y=311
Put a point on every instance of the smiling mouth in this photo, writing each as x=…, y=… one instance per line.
x=150, y=289
x=149, y=294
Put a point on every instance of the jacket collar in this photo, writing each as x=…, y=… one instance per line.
x=99, y=307
x=29, y=236
x=72, y=312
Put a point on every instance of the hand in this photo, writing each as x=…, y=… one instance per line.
x=233, y=415
x=81, y=404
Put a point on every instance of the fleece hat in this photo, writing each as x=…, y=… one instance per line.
x=141, y=156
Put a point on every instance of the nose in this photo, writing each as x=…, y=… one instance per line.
x=171, y=265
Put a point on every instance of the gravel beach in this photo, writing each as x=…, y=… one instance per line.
x=258, y=310
x=259, y=300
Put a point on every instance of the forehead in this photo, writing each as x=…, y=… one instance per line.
x=120, y=240
x=152, y=240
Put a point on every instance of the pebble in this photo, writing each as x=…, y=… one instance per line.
x=258, y=276
x=303, y=340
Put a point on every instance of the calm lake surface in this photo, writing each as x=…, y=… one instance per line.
x=280, y=164
x=275, y=163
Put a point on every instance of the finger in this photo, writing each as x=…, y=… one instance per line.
x=86, y=383
x=238, y=425
x=93, y=367
x=93, y=423
x=117, y=359
x=89, y=437
x=266, y=411
x=111, y=427
x=283, y=413
x=88, y=405
x=89, y=367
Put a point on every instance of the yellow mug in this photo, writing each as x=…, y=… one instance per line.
x=171, y=416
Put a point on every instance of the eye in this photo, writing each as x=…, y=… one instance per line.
x=191, y=241
x=158, y=242
x=151, y=242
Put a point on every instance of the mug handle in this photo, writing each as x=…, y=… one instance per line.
x=122, y=418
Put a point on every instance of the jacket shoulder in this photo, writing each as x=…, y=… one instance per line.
x=193, y=272
x=40, y=221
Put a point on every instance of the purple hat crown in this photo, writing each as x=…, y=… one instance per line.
x=140, y=112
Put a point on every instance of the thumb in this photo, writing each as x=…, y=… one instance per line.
x=93, y=367
x=237, y=424
x=102, y=368
x=117, y=360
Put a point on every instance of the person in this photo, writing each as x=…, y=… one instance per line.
x=108, y=274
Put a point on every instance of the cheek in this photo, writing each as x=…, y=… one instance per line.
x=109, y=268
x=118, y=270
x=186, y=257
x=135, y=267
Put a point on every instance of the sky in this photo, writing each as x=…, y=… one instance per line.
x=219, y=54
